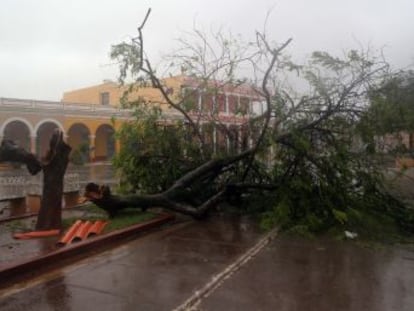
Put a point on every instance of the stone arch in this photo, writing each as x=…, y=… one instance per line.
x=22, y=120
x=18, y=130
x=78, y=137
x=104, y=142
x=57, y=123
x=44, y=130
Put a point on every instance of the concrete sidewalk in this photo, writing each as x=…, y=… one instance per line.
x=168, y=270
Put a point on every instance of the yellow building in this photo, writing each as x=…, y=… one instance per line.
x=229, y=99
x=231, y=105
x=105, y=96
x=109, y=93
x=88, y=129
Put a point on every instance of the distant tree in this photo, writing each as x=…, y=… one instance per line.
x=392, y=107
x=391, y=110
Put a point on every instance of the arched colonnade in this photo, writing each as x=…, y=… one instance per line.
x=90, y=141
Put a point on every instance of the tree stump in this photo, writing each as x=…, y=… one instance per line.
x=54, y=168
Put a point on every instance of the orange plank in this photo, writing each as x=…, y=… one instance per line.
x=36, y=234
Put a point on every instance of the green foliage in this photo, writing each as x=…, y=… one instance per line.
x=155, y=152
x=391, y=110
x=336, y=187
x=124, y=219
x=80, y=155
x=128, y=217
x=340, y=216
x=307, y=203
x=128, y=57
x=325, y=178
x=18, y=225
x=311, y=155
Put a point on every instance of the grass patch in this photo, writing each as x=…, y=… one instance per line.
x=17, y=225
x=128, y=218
x=92, y=209
x=125, y=218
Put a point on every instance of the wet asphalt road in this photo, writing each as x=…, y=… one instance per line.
x=156, y=272
x=295, y=274
x=162, y=270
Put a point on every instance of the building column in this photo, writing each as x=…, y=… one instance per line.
x=239, y=139
x=91, y=148
x=33, y=143
x=214, y=139
x=117, y=146
x=200, y=100
x=228, y=142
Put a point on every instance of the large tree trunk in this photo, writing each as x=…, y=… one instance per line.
x=101, y=196
x=177, y=197
x=50, y=214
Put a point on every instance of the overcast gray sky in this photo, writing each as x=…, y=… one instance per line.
x=50, y=46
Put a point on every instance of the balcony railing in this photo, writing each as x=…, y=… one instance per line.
x=67, y=108
x=30, y=105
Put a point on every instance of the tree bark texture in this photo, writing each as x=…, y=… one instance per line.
x=54, y=168
x=175, y=198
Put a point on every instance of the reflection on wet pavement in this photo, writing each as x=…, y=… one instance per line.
x=293, y=274
x=154, y=273
x=160, y=271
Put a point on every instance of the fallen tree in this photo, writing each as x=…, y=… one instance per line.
x=178, y=197
x=305, y=166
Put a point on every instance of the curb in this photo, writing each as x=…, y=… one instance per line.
x=33, y=214
x=37, y=265
x=23, y=216
x=28, y=215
